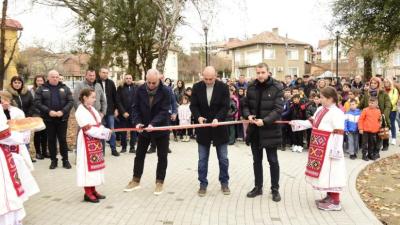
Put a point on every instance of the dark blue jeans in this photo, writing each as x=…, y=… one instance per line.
x=222, y=154
x=108, y=121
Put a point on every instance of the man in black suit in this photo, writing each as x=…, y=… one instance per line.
x=210, y=103
x=151, y=105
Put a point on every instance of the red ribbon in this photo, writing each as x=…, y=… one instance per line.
x=191, y=126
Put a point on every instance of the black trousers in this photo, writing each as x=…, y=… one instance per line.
x=286, y=135
x=162, y=144
x=40, y=142
x=370, y=144
x=272, y=157
x=298, y=138
x=57, y=130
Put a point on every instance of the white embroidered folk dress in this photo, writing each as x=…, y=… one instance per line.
x=84, y=117
x=11, y=205
x=23, y=161
x=332, y=177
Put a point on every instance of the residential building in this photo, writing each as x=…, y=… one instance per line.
x=284, y=56
x=12, y=32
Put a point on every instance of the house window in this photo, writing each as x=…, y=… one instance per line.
x=293, y=71
x=396, y=59
x=269, y=53
x=293, y=54
x=253, y=58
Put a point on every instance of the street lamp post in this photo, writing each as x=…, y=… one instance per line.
x=337, y=56
x=205, y=28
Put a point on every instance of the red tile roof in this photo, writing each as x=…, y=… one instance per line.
x=13, y=24
x=266, y=38
x=323, y=43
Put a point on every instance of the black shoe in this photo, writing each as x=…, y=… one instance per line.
x=371, y=156
x=88, y=199
x=99, y=196
x=132, y=150
x=66, y=164
x=33, y=160
x=169, y=151
x=365, y=158
x=385, y=148
x=47, y=156
x=175, y=139
x=39, y=156
x=353, y=156
x=53, y=164
x=151, y=150
x=256, y=191
x=276, y=197
x=114, y=153
x=123, y=150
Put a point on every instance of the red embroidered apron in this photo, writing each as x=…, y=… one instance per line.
x=94, y=148
x=12, y=168
x=317, y=149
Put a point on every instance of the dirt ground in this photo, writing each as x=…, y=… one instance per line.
x=379, y=187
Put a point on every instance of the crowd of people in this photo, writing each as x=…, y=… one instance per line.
x=323, y=116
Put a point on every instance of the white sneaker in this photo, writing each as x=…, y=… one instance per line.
x=393, y=141
x=294, y=148
x=300, y=149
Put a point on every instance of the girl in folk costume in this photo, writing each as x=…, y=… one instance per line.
x=20, y=153
x=325, y=169
x=90, y=161
x=11, y=188
x=185, y=116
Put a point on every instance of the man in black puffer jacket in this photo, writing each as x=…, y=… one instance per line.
x=263, y=106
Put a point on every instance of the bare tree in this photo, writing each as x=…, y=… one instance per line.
x=4, y=64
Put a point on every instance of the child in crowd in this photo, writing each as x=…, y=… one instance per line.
x=368, y=125
x=185, y=116
x=352, y=95
x=345, y=92
x=311, y=108
x=297, y=113
x=351, y=128
x=286, y=129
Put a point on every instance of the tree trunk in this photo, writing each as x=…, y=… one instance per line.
x=3, y=43
x=95, y=60
x=367, y=67
x=132, y=68
x=162, y=56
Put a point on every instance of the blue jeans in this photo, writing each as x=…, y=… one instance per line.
x=222, y=154
x=108, y=121
x=392, y=117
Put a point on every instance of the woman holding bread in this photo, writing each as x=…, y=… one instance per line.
x=90, y=161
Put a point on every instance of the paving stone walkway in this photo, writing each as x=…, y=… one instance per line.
x=61, y=201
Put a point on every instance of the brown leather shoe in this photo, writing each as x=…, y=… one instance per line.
x=225, y=190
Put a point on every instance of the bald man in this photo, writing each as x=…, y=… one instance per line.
x=210, y=104
x=151, y=105
x=54, y=101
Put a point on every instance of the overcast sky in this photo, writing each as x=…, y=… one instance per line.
x=303, y=20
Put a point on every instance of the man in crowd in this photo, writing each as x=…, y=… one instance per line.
x=210, y=103
x=90, y=82
x=110, y=93
x=263, y=106
x=357, y=83
x=125, y=94
x=308, y=85
x=241, y=83
x=151, y=104
x=54, y=100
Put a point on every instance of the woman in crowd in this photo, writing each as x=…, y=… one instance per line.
x=40, y=137
x=394, y=97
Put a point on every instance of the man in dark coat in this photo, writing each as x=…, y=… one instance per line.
x=263, y=106
x=110, y=92
x=54, y=101
x=151, y=104
x=125, y=94
x=210, y=103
